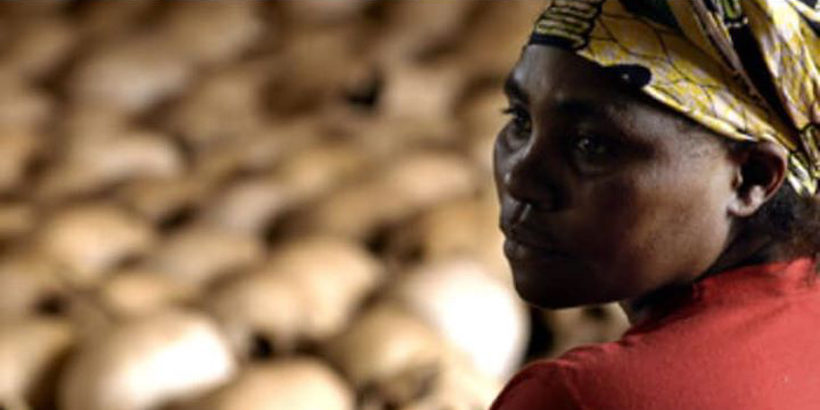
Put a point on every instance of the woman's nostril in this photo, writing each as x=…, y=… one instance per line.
x=521, y=210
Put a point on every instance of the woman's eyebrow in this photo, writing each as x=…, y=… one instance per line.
x=579, y=108
x=514, y=91
x=584, y=108
x=575, y=107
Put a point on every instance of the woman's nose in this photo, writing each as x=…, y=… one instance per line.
x=527, y=178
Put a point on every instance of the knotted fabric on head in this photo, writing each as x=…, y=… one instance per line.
x=746, y=69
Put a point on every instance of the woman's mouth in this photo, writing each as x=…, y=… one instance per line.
x=519, y=247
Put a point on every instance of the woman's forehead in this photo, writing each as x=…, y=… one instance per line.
x=553, y=82
x=547, y=76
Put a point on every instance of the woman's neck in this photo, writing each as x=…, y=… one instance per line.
x=741, y=252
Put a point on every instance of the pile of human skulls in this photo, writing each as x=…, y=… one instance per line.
x=259, y=205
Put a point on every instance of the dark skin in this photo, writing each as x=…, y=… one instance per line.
x=608, y=196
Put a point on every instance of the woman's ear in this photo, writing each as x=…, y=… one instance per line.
x=760, y=171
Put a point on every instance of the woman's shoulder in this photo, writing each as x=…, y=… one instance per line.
x=567, y=382
x=748, y=341
x=752, y=372
x=541, y=384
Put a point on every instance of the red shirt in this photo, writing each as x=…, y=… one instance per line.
x=744, y=339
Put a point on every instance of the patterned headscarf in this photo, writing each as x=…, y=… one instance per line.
x=746, y=69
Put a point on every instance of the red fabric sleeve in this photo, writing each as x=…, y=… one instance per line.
x=540, y=386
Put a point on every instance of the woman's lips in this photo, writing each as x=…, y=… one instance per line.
x=520, y=251
x=522, y=245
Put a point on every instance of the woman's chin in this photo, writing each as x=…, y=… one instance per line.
x=557, y=286
x=540, y=291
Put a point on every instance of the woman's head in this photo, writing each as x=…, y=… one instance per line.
x=626, y=195
x=648, y=145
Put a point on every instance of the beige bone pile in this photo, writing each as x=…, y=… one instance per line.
x=259, y=205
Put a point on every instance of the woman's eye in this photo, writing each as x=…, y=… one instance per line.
x=520, y=121
x=591, y=146
x=592, y=150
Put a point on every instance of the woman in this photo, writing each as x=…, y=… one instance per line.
x=664, y=154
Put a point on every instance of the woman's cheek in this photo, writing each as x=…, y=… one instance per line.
x=627, y=237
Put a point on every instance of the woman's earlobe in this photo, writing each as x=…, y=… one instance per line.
x=761, y=171
x=748, y=201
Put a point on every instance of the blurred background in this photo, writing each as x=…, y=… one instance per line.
x=260, y=205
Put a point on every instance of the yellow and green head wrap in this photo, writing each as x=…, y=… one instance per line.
x=746, y=69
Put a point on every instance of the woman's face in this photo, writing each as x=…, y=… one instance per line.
x=604, y=194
